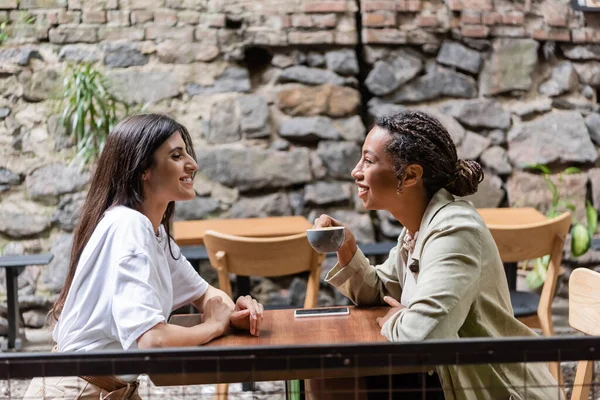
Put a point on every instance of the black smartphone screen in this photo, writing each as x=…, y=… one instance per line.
x=314, y=312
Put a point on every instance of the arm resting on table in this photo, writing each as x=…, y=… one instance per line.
x=364, y=283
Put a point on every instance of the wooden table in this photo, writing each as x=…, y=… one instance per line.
x=188, y=233
x=511, y=216
x=280, y=328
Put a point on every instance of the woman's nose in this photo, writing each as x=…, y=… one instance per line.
x=192, y=165
x=356, y=171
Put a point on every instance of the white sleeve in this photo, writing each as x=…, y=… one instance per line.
x=136, y=305
x=188, y=285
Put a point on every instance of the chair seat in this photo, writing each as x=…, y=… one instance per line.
x=524, y=304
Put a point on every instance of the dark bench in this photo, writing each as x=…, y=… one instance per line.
x=13, y=265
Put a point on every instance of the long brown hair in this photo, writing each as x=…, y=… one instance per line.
x=419, y=138
x=128, y=152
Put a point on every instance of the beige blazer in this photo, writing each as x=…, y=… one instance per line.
x=461, y=292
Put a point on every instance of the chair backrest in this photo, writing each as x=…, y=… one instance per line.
x=530, y=240
x=584, y=315
x=277, y=256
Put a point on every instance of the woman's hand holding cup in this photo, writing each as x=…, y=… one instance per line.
x=348, y=247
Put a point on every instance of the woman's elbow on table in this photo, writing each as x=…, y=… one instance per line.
x=154, y=337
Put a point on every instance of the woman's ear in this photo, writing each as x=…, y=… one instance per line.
x=146, y=175
x=412, y=175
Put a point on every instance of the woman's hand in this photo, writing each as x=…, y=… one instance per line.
x=247, y=314
x=348, y=248
x=396, y=306
x=217, y=312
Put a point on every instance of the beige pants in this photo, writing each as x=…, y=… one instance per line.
x=73, y=387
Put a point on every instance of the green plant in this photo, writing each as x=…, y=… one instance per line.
x=89, y=110
x=581, y=235
x=3, y=32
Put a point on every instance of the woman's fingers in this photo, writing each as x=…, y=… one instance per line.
x=240, y=314
x=324, y=221
x=392, y=301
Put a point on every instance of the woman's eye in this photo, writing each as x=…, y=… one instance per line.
x=176, y=156
x=368, y=161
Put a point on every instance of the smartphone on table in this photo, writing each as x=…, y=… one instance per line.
x=321, y=312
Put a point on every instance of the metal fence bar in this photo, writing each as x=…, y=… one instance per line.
x=204, y=359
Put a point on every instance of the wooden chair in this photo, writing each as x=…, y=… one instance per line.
x=278, y=256
x=530, y=241
x=584, y=315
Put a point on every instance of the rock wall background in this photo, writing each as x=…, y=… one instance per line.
x=278, y=96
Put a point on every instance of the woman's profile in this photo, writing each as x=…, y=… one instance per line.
x=126, y=274
x=444, y=279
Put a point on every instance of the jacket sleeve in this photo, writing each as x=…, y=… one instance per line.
x=447, y=285
x=364, y=283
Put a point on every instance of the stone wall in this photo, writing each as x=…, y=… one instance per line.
x=278, y=96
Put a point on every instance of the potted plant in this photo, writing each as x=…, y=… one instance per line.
x=88, y=111
x=581, y=234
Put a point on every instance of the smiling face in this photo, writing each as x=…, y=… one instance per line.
x=374, y=173
x=170, y=178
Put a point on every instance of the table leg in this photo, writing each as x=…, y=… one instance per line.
x=13, y=306
x=511, y=275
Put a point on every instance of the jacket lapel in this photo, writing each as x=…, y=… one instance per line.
x=439, y=200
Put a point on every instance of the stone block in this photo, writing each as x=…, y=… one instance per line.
x=556, y=16
x=26, y=4
x=346, y=38
x=379, y=19
x=413, y=5
x=189, y=17
x=470, y=17
x=475, y=31
x=117, y=18
x=69, y=17
x=513, y=18
x=316, y=37
x=555, y=34
x=165, y=17
x=266, y=37
x=325, y=6
x=140, y=4
x=77, y=34
x=8, y=4
x=377, y=5
x=213, y=20
x=324, y=21
x=301, y=21
x=492, y=18
x=427, y=20
x=206, y=35
x=75, y=4
x=509, y=31
x=94, y=17
x=483, y=5
x=120, y=33
x=141, y=16
x=383, y=36
x=184, y=33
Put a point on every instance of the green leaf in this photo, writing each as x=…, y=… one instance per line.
x=580, y=240
x=592, y=218
x=534, y=280
x=571, y=170
x=539, y=167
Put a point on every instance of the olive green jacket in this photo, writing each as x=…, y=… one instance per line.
x=461, y=292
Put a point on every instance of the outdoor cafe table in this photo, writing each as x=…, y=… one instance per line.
x=187, y=233
x=281, y=328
